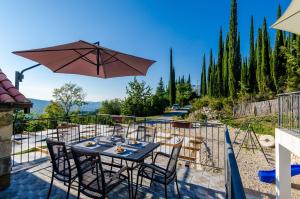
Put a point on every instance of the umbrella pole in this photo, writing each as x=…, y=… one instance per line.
x=98, y=60
x=19, y=75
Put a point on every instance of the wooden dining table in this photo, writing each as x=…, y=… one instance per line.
x=132, y=156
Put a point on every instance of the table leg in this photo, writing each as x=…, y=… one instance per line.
x=130, y=179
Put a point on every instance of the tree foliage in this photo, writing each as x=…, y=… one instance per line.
x=112, y=107
x=54, y=110
x=138, y=99
x=203, y=90
x=279, y=60
x=265, y=72
x=69, y=96
x=172, y=83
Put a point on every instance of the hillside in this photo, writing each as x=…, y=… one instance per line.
x=40, y=105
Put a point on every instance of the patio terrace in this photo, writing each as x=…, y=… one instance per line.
x=34, y=182
x=200, y=168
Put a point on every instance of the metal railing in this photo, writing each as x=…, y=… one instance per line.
x=233, y=183
x=289, y=111
x=203, y=142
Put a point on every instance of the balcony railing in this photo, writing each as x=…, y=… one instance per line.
x=233, y=182
x=203, y=142
x=289, y=111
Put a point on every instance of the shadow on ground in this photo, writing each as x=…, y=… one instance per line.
x=27, y=185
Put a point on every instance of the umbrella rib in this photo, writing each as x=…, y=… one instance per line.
x=126, y=63
x=111, y=56
x=110, y=62
x=85, y=58
x=73, y=61
x=51, y=50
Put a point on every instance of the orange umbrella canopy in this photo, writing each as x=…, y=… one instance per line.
x=84, y=58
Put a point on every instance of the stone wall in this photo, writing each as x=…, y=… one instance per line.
x=256, y=108
x=6, y=128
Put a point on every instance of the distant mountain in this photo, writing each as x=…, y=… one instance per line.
x=40, y=105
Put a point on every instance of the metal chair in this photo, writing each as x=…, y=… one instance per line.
x=159, y=174
x=146, y=134
x=119, y=130
x=62, y=169
x=94, y=180
x=68, y=133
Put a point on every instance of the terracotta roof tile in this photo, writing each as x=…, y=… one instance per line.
x=6, y=84
x=8, y=93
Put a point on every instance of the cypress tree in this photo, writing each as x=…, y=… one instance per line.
x=239, y=61
x=172, y=83
x=189, y=82
x=160, y=90
x=279, y=62
x=182, y=79
x=259, y=60
x=252, y=61
x=225, y=68
x=219, y=72
x=210, y=75
x=244, y=75
x=287, y=41
x=265, y=64
x=215, y=80
x=233, y=51
x=298, y=49
x=203, y=90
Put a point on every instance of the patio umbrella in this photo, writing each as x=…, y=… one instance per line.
x=84, y=58
x=290, y=20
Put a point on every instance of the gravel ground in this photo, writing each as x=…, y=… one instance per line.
x=250, y=163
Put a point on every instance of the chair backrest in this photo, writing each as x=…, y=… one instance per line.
x=146, y=134
x=59, y=157
x=120, y=130
x=68, y=133
x=89, y=169
x=172, y=163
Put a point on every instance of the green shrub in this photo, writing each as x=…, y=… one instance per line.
x=36, y=125
x=202, y=117
x=200, y=103
x=216, y=104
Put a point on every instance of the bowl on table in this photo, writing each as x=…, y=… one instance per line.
x=90, y=144
x=120, y=149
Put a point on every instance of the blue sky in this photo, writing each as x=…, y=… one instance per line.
x=143, y=28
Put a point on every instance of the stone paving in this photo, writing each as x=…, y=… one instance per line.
x=34, y=183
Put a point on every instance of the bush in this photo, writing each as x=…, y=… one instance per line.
x=200, y=103
x=36, y=125
x=158, y=105
x=202, y=117
x=216, y=104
